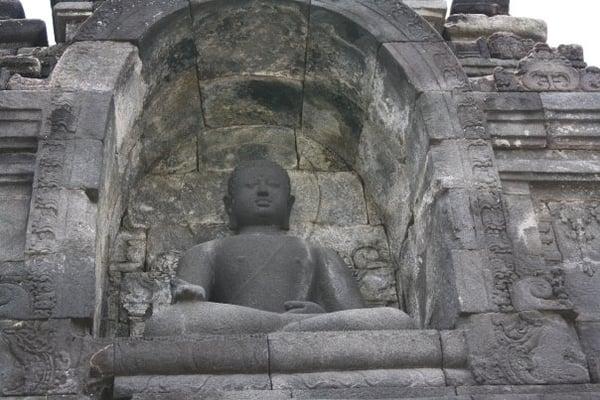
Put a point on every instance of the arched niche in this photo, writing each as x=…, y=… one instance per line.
x=359, y=100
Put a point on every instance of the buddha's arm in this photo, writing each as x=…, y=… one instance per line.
x=195, y=273
x=336, y=289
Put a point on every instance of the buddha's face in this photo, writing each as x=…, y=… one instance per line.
x=260, y=196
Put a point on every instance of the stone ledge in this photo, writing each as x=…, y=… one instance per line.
x=470, y=27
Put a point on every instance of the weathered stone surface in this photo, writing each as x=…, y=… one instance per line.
x=444, y=74
x=269, y=39
x=95, y=66
x=535, y=392
x=572, y=119
x=186, y=385
x=15, y=199
x=360, y=379
x=16, y=33
x=487, y=7
x=192, y=199
x=223, y=149
x=212, y=355
x=377, y=393
x=588, y=334
x=319, y=201
x=296, y=352
x=506, y=45
x=434, y=11
x=550, y=352
x=573, y=53
x=516, y=120
x=462, y=27
x=162, y=131
x=252, y=101
x=68, y=17
x=32, y=351
x=22, y=65
x=385, y=21
x=11, y=9
x=219, y=395
x=119, y=20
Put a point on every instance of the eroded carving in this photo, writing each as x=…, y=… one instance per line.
x=37, y=366
x=546, y=69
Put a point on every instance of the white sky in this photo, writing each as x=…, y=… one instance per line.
x=573, y=21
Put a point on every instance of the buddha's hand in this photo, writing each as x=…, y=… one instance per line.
x=303, y=307
x=183, y=291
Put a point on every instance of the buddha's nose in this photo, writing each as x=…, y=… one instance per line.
x=262, y=192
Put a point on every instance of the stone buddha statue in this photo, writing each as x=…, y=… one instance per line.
x=261, y=279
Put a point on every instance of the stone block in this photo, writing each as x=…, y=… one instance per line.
x=298, y=352
x=376, y=393
x=193, y=199
x=508, y=46
x=269, y=39
x=490, y=8
x=529, y=392
x=590, y=341
x=181, y=158
x=516, y=120
x=334, y=198
x=26, y=66
x=86, y=165
x=219, y=395
x=17, y=33
x=11, y=9
x=425, y=377
x=77, y=115
x=572, y=120
x=524, y=348
x=314, y=156
x=68, y=17
x=29, y=350
x=470, y=27
x=446, y=74
x=162, y=130
x=188, y=385
x=433, y=11
x=472, y=280
x=94, y=66
x=117, y=20
x=15, y=200
x=204, y=355
x=223, y=149
x=387, y=21
x=252, y=101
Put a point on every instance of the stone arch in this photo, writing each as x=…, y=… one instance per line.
x=366, y=88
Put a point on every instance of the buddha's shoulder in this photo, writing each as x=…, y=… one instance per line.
x=203, y=249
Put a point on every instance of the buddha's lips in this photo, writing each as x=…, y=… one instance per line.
x=263, y=203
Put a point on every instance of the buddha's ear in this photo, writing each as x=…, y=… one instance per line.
x=291, y=202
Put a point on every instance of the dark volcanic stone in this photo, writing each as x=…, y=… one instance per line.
x=487, y=7
x=23, y=33
x=11, y=9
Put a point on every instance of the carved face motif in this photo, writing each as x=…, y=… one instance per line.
x=260, y=196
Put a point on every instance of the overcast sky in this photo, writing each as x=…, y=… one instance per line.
x=573, y=21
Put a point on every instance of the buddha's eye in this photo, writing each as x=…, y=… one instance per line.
x=250, y=185
x=273, y=184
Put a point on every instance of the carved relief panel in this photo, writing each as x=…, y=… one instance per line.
x=569, y=224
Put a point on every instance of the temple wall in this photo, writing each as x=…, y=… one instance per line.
x=456, y=176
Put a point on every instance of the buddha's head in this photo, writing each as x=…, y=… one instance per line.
x=259, y=195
